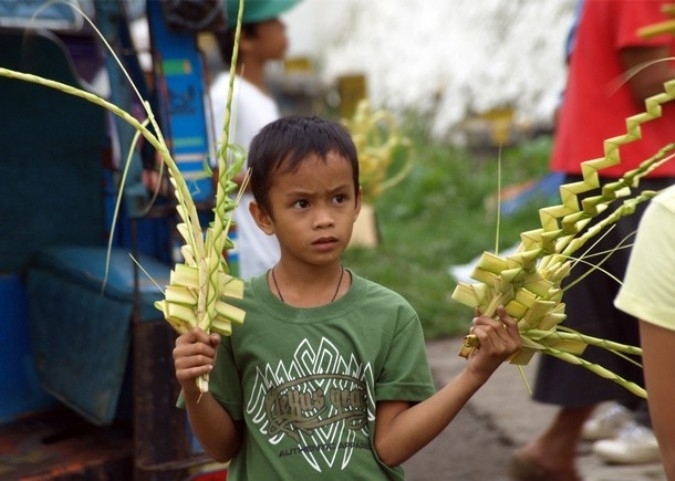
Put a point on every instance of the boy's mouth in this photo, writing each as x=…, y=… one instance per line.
x=324, y=241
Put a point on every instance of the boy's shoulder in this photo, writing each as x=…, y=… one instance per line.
x=374, y=285
x=379, y=294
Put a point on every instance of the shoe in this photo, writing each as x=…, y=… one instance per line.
x=523, y=469
x=606, y=422
x=634, y=444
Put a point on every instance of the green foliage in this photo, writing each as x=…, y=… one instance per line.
x=440, y=216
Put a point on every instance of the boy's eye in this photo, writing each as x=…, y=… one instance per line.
x=301, y=204
x=339, y=198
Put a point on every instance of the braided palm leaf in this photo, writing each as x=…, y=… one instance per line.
x=528, y=283
x=378, y=140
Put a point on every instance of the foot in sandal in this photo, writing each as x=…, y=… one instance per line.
x=523, y=468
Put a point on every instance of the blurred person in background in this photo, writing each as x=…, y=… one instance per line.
x=609, y=77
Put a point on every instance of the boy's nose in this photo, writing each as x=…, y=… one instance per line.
x=323, y=218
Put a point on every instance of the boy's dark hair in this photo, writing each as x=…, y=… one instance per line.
x=286, y=142
x=225, y=40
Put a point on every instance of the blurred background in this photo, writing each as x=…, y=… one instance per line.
x=460, y=64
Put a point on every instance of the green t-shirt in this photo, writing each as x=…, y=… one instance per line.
x=305, y=381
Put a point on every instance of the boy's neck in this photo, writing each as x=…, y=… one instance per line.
x=308, y=288
x=254, y=73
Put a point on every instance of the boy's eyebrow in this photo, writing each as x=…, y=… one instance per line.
x=300, y=190
x=348, y=186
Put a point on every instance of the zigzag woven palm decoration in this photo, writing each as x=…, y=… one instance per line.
x=528, y=283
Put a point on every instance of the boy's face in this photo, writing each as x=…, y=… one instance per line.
x=269, y=41
x=313, y=209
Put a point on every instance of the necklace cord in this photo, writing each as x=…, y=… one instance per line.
x=337, y=288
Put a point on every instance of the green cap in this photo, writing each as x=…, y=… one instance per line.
x=257, y=10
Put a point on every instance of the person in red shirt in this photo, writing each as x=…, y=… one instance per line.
x=612, y=70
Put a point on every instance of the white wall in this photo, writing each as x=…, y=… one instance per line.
x=447, y=58
x=313, y=24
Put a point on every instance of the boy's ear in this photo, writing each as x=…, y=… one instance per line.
x=359, y=201
x=245, y=42
x=262, y=219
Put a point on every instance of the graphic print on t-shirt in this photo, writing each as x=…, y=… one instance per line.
x=316, y=404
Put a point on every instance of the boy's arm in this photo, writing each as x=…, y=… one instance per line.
x=194, y=355
x=402, y=428
x=647, y=69
x=218, y=433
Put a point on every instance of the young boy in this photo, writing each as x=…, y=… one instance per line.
x=328, y=375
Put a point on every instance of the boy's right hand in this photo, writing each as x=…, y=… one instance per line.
x=193, y=356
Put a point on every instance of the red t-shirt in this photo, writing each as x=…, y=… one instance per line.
x=596, y=103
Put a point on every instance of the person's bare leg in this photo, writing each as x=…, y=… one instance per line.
x=555, y=450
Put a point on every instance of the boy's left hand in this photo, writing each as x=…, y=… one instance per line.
x=498, y=339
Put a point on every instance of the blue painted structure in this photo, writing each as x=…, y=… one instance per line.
x=84, y=354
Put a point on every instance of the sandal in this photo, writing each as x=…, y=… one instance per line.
x=524, y=469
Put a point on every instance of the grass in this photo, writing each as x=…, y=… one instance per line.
x=441, y=215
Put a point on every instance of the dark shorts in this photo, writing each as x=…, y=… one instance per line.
x=590, y=310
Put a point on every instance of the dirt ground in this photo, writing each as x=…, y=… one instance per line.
x=469, y=449
x=499, y=418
